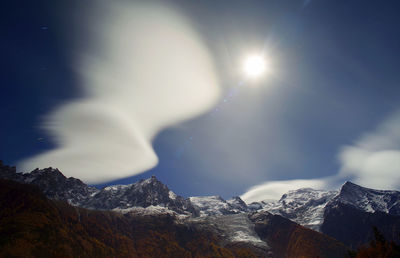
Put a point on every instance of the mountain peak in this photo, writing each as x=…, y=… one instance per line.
x=348, y=187
x=144, y=193
x=46, y=172
x=153, y=180
x=349, y=184
x=369, y=200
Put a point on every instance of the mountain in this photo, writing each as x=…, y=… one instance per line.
x=368, y=200
x=359, y=209
x=52, y=183
x=33, y=226
x=144, y=219
x=304, y=206
x=215, y=205
x=348, y=215
x=288, y=239
x=145, y=193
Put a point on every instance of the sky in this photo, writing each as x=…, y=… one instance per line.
x=113, y=92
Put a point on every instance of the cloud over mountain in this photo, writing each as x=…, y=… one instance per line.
x=374, y=159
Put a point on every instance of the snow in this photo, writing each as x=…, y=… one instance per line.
x=304, y=206
x=94, y=193
x=235, y=227
x=210, y=205
x=115, y=187
x=307, y=206
x=153, y=210
x=172, y=195
x=240, y=229
x=370, y=200
x=206, y=201
x=150, y=210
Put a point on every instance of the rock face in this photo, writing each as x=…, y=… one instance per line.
x=52, y=183
x=145, y=193
x=348, y=215
x=368, y=200
x=215, y=205
x=351, y=215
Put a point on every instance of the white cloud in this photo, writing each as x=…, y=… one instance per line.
x=372, y=161
x=145, y=69
x=273, y=190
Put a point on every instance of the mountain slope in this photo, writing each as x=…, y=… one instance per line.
x=33, y=226
x=289, y=239
x=148, y=223
x=368, y=200
x=357, y=210
x=52, y=183
x=215, y=205
x=145, y=193
x=304, y=206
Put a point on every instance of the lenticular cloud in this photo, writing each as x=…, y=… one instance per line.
x=371, y=161
x=374, y=159
x=145, y=70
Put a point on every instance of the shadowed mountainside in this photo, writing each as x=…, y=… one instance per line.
x=289, y=239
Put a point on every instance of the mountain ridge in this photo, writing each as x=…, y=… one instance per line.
x=32, y=225
x=315, y=209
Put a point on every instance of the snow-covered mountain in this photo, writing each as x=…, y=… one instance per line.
x=234, y=227
x=368, y=200
x=308, y=207
x=215, y=205
x=304, y=206
x=315, y=209
x=52, y=183
x=145, y=193
x=352, y=214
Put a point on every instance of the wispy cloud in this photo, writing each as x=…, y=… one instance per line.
x=372, y=161
x=145, y=69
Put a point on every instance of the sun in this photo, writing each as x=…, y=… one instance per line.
x=254, y=66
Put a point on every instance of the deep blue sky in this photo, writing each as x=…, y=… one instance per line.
x=338, y=64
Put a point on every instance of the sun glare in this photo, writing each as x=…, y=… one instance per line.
x=255, y=66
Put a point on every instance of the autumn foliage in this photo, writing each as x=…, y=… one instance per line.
x=378, y=248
